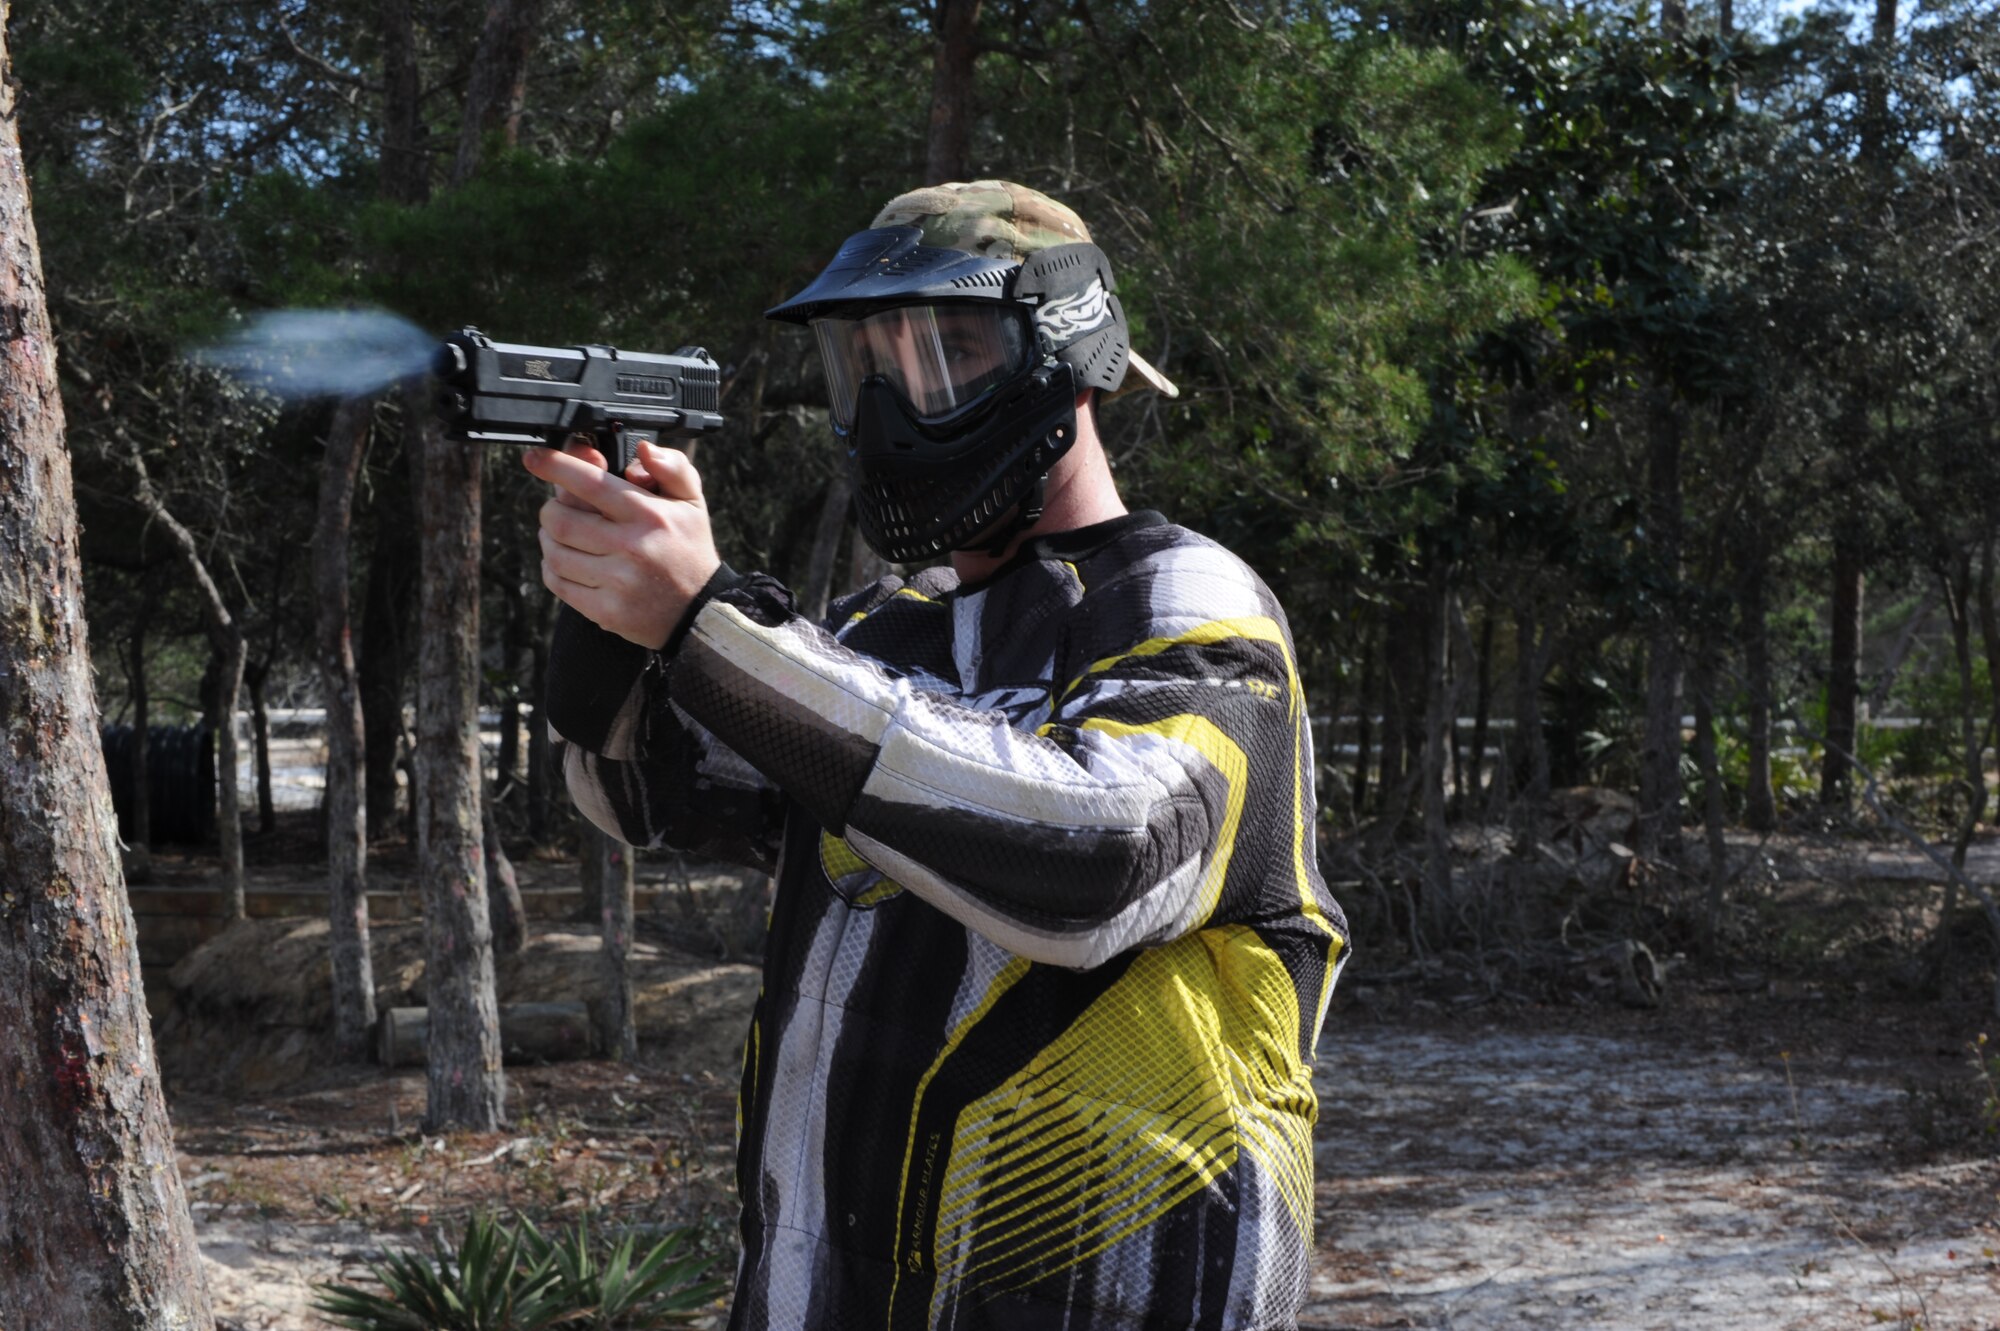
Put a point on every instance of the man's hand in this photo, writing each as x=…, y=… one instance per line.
x=628, y=555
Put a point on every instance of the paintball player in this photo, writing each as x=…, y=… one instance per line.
x=1049, y=951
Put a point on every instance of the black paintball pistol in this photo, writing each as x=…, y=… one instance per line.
x=507, y=393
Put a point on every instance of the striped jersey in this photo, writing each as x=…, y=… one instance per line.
x=1049, y=950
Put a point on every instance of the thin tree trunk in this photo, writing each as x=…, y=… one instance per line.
x=1440, y=900
x=142, y=754
x=1714, y=816
x=1957, y=578
x=1482, y=712
x=503, y=890
x=1989, y=626
x=260, y=735
x=826, y=544
x=1531, y=654
x=340, y=693
x=499, y=74
x=1364, y=725
x=593, y=861
x=1660, y=751
x=465, y=1086
x=225, y=637
x=405, y=160
x=94, y=1227
x=956, y=25
x=1843, y=685
x=539, y=759
x=615, y=891
x=1760, y=801
x=387, y=633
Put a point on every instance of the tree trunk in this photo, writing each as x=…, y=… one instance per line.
x=340, y=693
x=503, y=890
x=1843, y=684
x=387, y=632
x=1957, y=578
x=956, y=24
x=593, y=862
x=405, y=160
x=1660, y=750
x=1440, y=900
x=1989, y=628
x=1364, y=725
x=539, y=759
x=615, y=889
x=1531, y=655
x=142, y=755
x=826, y=544
x=1760, y=801
x=260, y=737
x=1482, y=710
x=465, y=1086
x=94, y=1228
x=1714, y=817
x=499, y=77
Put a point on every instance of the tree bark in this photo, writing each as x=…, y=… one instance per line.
x=618, y=1023
x=499, y=78
x=1760, y=801
x=94, y=1227
x=260, y=741
x=1531, y=656
x=826, y=544
x=1364, y=726
x=1989, y=628
x=225, y=638
x=1440, y=900
x=1843, y=684
x=340, y=693
x=956, y=25
x=1660, y=749
x=387, y=632
x=1482, y=711
x=142, y=753
x=465, y=1086
x=1714, y=816
x=405, y=160
x=1957, y=579
x=503, y=890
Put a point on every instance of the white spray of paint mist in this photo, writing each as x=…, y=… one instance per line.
x=321, y=353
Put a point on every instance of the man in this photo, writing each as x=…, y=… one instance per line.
x=1049, y=951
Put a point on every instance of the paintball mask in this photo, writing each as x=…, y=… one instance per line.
x=953, y=379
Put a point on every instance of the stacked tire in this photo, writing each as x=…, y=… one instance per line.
x=180, y=763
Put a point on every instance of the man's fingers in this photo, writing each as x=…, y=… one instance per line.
x=671, y=471
x=578, y=528
x=576, y=478
x=570, y=565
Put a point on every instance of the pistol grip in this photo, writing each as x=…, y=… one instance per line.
x=620, y=444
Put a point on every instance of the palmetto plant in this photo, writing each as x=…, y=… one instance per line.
x=519, y=1279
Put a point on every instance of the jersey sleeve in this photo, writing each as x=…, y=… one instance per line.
x=1110, y=826
x=640, y=767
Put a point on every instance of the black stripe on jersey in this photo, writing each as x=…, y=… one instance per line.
x=1048, y=877
x=796, y=749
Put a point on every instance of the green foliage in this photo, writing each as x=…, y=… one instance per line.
x=517, y=1279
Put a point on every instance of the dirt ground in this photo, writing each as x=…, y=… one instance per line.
x=1783, y=1154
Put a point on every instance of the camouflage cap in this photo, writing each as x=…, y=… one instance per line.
x=1001, y=220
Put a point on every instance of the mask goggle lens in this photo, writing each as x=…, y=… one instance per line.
x=938, y=357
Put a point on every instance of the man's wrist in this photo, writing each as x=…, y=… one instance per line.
x=722, y=580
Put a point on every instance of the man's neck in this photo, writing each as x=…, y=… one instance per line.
x=1079, y=493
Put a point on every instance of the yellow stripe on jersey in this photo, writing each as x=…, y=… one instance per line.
x=1187, y=1061
x=1259, y=628
x=906, y=1254
x=1226, y=756
x=861, y=883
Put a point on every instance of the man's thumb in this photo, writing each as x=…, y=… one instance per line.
x=671, y=471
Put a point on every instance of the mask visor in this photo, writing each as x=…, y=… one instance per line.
x=936, y=357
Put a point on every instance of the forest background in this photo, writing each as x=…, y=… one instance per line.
x=1568, y=370
x=1606, y=390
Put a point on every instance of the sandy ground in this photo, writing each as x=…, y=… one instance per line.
x=1568, y=1169
x=1658, y=1176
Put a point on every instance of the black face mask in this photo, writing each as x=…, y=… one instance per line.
x=969, y=477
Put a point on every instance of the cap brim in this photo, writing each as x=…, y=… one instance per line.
x=1140, y=373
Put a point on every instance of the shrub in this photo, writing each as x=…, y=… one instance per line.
x=518, y=1279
